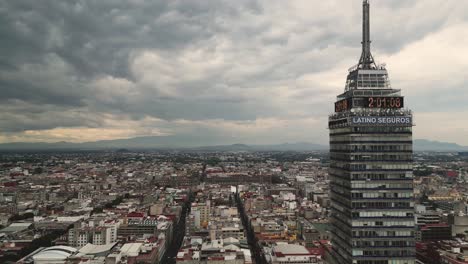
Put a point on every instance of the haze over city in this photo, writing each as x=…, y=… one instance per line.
x=233, y=132
x=255, y=72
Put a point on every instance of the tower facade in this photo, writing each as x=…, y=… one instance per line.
x=371, y=173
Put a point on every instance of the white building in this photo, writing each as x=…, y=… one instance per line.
x=289, y=253
x=54, y=255
x=94, y=232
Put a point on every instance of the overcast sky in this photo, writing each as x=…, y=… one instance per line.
x=246, y=71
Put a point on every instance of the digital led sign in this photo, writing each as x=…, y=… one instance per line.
x=384, y=102
x=343, y=105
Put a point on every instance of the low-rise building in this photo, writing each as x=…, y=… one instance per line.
x=291, y=253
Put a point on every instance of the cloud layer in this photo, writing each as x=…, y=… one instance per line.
x=260, y=71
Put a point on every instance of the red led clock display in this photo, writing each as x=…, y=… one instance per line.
x=343, y=105
x=384, y=102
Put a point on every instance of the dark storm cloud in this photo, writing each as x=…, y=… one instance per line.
x=75, y=63
x=96, y=38
x=18, y=116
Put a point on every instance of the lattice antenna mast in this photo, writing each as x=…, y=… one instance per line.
x=366, y=61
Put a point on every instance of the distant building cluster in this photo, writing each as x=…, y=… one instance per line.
x=107, y=207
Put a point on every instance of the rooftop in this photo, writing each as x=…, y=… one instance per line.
x=55, y=253
x=16, y=227
x=131, y=249
x=290, y=249
x=91, y=249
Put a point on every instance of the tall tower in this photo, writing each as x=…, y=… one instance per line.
x=371, y=178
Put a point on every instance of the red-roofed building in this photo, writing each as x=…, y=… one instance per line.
x=452, y=174
x=135, y=215
x=10, y=184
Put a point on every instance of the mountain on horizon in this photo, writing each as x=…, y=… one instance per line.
x=193, y=143
x=431, y=145
x=160, y=142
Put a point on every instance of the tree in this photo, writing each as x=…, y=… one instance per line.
x=38, y=170
x=213, y=161
x=18, y=217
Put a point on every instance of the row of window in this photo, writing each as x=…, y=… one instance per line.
x=389, y=157
x=407, y=166
x=383, y=214
x=366, y=176
x=371, y=185
x=381, y=129
x=374, y=195
x=383, y=233
x=403, y=157
x=312, y=260
x=371, y=147
x=383, y=253
x=367, y=167
x=393, y=261
x=382, y=223
x=370, y=129
x=372, y=157
x=339, y=186
x=381, y=205
x=398, y=243
x=357, y=138
x=368, y=82
x=382, y=176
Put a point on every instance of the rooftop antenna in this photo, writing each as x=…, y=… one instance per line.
x=367, y=61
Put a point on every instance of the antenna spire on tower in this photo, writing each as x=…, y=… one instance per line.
x=366, y=61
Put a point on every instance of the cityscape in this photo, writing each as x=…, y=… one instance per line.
x=98, y=180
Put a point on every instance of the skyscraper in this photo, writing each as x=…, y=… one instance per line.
x=371, y=167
